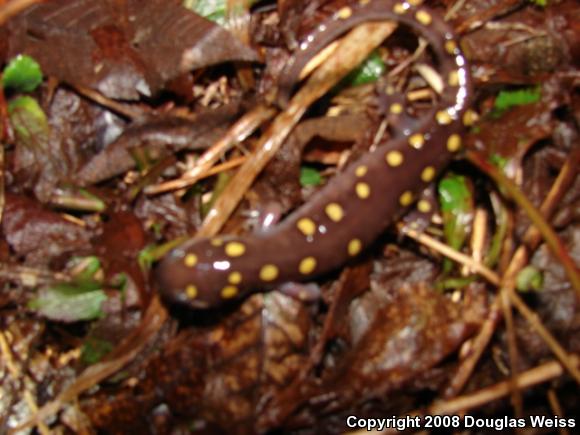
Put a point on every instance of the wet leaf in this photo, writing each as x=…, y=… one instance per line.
x=123, y=52
x=22, y=74
x=38, y=234
x=159, y=136
x=221, y=374
x=70, y=302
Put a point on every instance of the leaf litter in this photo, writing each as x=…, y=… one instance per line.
x=125, y=146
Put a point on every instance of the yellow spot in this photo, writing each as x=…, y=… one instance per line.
x=307, y=265
x=443, y=117
x=399, y=8
x=423, y=17
x=454, y=143
x=415, y=2
x=469, y=118
x=268, y=272
x=451, y=46
x=396, y=108
x=394, y=158
x=417, y=140
x=344, y=13
x=306, y=226
x=229, y=291
x=235, y=278
x=190, y=260
x=453, y=79
x=364, y=2
x=424, y=206
x=334, y=212
x=191, y=291
x=363, y=190
x=361, y=171
x=406, y=198
x=389, y=90
x=428, y=174
x=235, y=249
x=354, y=247
x=216, y=242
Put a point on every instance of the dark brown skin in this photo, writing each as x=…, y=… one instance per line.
x=354, y=207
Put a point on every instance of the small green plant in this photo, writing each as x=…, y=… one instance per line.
x=310, y=176
x=22, y=74
x=542, y=3
x=508, y=99
x=367, y=72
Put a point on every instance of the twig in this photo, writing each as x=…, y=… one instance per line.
x=532, y=238
x=123, y=110
x=484, y=396
x=13, y=8
x=451, y=253
x=566, y=359
x=552, y=240
x=241, y=130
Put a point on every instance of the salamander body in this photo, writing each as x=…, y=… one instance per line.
x=350, y=212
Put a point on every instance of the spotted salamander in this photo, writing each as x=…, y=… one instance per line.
x=354, y=207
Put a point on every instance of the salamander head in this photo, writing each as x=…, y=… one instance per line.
x=196, y=275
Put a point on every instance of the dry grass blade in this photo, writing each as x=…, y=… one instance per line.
x=518, y=261
x=543, y=373
x=532, y=318
x=353, y=49
x=243, y=128
x=552, y=240
x=451, y=253
x=537, y=375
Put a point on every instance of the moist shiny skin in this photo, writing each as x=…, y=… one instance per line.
x=350, y=212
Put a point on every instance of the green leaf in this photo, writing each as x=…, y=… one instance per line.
x=367, y=72
x=508, y=99
x=542, y=3
x=147, y=256
x=457, y=209
x=70, y=302
x=213, y=10
x=90, y=266
x=455, y=194
x=29, y=122
x=94, y=349
x=22, y=74
x=498, y=161
x=529, y=279
x=310, y=176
